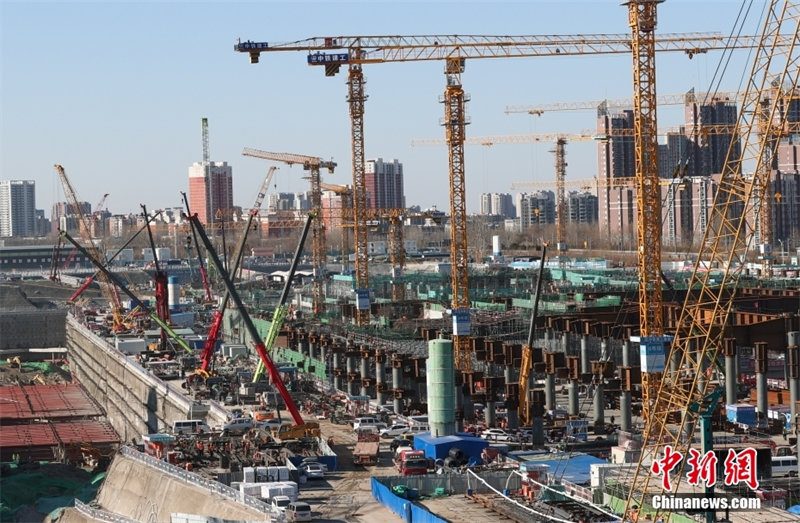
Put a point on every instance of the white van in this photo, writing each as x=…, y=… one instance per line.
x=361, y=422
x=784, y=466
x=189, y=426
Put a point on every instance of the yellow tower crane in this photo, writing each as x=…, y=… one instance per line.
x=454, y=50
x=319, y=250
x=683, y=397
x=621, y=103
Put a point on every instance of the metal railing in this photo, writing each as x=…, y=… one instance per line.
x=99, y=514
x=196, y=480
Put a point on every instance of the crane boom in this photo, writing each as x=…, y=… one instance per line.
x=216, y=324
x=381, y=49
x=354, y=51
x=619, y=103
x=319, y=249
x=83, y=227
x=266, y=359
x=701, y=326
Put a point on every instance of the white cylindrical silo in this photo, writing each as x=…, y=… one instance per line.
x=496, y=250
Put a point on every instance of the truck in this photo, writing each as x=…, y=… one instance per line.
x=367, y=447
x=411, y=462
x=366, y=453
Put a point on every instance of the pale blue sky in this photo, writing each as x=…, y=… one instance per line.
x=115, y=92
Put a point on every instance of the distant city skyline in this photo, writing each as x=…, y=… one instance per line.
x=119, y=103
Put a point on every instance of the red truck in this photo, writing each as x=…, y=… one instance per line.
x=368, y=446
x=411, y=462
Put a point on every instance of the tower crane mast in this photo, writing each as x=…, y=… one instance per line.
x=702, y=323
x=454, y=50
x=319, y=249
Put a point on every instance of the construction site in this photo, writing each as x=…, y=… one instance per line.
x=343, y=382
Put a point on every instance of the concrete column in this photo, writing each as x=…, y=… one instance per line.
x=397, y=383
x=302, y=344
x=323, y=352
x=586, y=365
x=626, y=353
x=489, y=414
x=364, y=374
x=513, y=418
x=573, y=408
x=625, y=411
x=625, y=396
x=604, y=349
x=793, y=359
x=537, y=431
x=762, y=403
x=731, y=378
x=380, y=377
x=459, y=408
x=599, y=404
x=549, y=391
x=312, y=347
x=564, y=343
x=351, y=368
x=337, y=380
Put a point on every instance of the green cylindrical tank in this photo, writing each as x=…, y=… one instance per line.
x=441, y=388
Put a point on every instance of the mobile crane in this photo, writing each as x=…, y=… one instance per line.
x=113, y=279
x=216, y=324
x=303, y=428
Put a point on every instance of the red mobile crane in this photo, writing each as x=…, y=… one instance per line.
x=216, y=324
x=266, y=359
x=203, y=275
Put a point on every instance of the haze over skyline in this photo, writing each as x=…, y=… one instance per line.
x=115, y=92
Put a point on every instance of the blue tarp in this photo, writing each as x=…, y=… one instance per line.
x=572, y=466
x=439, y=448
x=794, y=509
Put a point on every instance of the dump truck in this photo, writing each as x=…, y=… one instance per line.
x=367, y=447
x=366, y=453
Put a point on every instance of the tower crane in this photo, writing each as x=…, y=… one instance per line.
x=683, y=388
x=620, y=103
x=454, y=50
x=83, y=225
x=319, y=250
x=346, y=198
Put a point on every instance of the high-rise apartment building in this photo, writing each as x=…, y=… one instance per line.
x=496, y=204
x=211, y=190
x=582, y=207
x=709, y=149
x=384, y=184
x=536, y=208
x=17, y=208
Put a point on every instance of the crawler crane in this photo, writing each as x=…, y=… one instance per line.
x=702, y=323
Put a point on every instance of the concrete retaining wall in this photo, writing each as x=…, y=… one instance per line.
x=135, y=401
x=34, y=328
x=139, y=489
